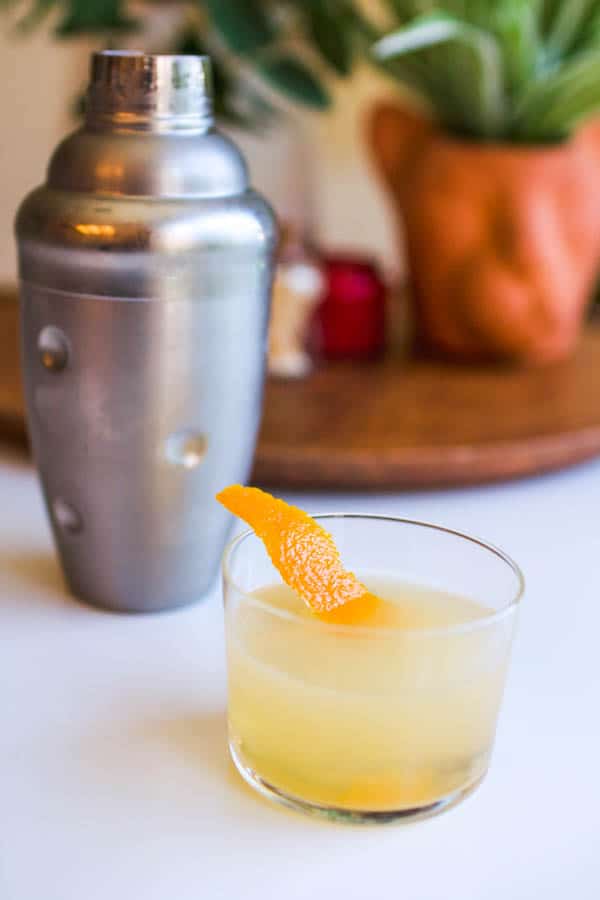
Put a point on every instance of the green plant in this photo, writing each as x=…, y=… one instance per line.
x=291, y=45
x=517, y=70
x=520, y=70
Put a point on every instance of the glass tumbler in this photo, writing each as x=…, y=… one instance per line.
x=371, y=724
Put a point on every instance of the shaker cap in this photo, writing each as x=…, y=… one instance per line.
x=137, y=90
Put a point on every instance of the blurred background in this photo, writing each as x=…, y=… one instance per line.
x=435, y=168
x=311, y=165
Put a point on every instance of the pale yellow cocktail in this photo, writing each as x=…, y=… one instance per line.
x=344, y=718
x=368, y=723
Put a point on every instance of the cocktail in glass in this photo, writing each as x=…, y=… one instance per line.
x=391, y=721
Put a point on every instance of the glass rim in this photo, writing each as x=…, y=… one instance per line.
x=457, y=627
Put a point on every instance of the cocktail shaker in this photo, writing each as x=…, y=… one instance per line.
x=146, y=264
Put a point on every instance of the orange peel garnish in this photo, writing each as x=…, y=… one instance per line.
x=306, y=557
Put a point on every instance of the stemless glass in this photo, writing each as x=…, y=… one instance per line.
x=371, y=724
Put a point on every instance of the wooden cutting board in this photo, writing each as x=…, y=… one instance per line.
x=400, y=423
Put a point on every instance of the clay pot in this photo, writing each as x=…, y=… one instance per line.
x=503, y=241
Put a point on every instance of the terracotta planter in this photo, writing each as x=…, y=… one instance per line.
x=503, y=241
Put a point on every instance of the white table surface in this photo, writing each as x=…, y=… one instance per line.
x=114, y=778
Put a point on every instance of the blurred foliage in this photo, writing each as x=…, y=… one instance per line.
x=517, y=70
x=292, y=46
x=520, y=70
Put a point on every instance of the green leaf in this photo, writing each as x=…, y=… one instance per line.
x=420, y=34
x=468, y=57
x=589, y=37
x=569, y=24
x=554, y=105
x=516, y=29
x=330, y=36
x=547, y=12
x=93, y=16
x=243, y=24
x=294, y=79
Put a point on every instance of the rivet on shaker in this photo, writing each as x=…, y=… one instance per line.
x=53, y=349
x=66, y=516
x=186, y=448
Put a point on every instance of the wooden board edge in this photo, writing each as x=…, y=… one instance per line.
x=434, y=468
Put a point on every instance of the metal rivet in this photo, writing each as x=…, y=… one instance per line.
x=186, y=448
x=66, y=516
x=53, y=348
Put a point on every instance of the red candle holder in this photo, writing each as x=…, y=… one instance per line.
x=351, y=320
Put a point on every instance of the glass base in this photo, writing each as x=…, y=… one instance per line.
x=350, y=816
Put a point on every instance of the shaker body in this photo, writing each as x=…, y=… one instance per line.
x=145, y=266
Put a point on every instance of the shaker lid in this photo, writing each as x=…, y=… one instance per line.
x=136, y=89
x=149, y=132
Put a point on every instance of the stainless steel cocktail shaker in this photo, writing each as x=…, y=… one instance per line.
x=146, y=266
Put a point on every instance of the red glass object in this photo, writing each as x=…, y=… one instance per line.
x=351, y=319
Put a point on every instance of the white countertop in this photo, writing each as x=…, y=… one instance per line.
x=114, y=778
